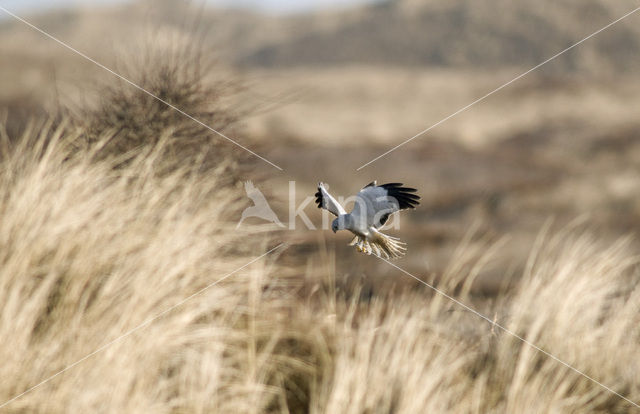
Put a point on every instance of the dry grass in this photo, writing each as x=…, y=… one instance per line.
x=90, y=252
x=110, y=218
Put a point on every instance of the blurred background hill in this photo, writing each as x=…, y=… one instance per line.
x=454, y=34
x=420, y=33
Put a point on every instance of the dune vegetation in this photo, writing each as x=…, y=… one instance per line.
x=92, y=251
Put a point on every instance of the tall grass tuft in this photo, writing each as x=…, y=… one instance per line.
x=175, y=68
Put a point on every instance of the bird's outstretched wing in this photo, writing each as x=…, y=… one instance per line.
x=326, y=201
x=375, y=203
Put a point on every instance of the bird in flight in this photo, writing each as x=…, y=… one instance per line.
x=373, y=206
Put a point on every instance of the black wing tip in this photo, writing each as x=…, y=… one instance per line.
x=404, y=204
x=398, y=186
x=391, y=185
x=404, y=195
x=318, y=196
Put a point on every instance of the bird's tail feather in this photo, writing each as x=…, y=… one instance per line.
x=381, y=245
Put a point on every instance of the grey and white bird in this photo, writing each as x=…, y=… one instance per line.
x=373, y=206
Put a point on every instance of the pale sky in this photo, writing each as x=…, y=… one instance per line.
x=277, y=6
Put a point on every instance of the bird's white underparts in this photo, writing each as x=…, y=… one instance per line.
x=373, y=206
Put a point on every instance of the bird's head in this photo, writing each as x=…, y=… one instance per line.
x=339, y=223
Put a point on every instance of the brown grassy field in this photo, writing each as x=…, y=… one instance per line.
x=126, y=286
